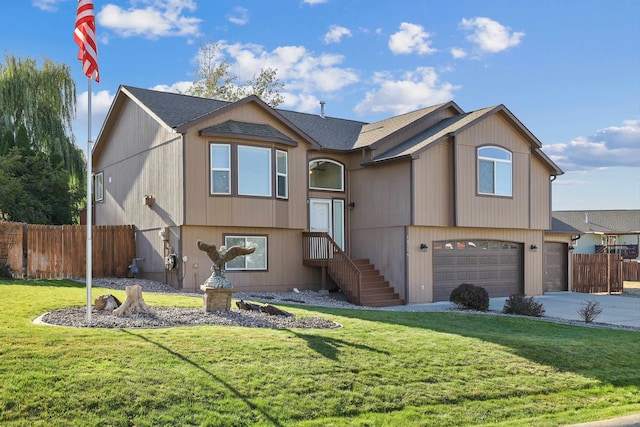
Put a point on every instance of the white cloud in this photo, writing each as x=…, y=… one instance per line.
x=178, y=87
x=411, y=38
x=416, y=89
x=609, y=147
x=302, y=71
x=100, y=104
x=489, y=35
x=304, y=103
x=161, y=18
x=313, y=2
x=336, y=33
x=458, y=52
x=48, y=5
x=240, y=16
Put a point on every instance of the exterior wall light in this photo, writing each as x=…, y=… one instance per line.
x=352, y=205
x=423, y=247
x=534, y=248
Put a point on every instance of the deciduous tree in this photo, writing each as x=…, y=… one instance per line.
x=214, y=79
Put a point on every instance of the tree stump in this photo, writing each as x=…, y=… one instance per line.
x=106, y=302
x=133, y=304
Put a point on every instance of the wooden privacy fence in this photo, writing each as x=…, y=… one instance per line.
x=59, y=251
x=594, y=273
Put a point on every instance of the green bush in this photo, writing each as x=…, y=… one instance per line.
x=470, y=297
x=5, y=271
x=526, y=306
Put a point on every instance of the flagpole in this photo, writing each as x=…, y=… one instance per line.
x=89, y=206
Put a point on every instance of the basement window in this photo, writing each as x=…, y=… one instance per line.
x=254, y=261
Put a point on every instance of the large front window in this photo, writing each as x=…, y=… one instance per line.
x=494, y=171
x=247, y=170
x=254, y=171
x=326, y=174
x=255, y=261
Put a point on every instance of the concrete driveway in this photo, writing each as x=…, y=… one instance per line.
x=616, y=309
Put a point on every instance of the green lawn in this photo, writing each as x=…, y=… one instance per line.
x=381, y=369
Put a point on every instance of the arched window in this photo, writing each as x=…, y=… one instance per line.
x=325, y=174
x=494, y=171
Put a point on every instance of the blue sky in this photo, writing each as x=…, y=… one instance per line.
x=569, y=70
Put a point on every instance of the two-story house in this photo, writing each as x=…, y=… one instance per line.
x=430, y=199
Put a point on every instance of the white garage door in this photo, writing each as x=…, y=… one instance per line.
x=494, y=265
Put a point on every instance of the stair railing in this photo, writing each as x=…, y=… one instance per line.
x=320, y=250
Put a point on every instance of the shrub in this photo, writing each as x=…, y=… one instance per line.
x=526, y=306
x=589, y=311
x=5, y=271
x=470, y=297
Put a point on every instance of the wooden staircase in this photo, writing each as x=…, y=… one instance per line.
x=359, y=280
x=375, y=290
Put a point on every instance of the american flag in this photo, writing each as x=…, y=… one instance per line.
x=85, y=36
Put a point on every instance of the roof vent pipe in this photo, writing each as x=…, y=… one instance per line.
x=322, y=109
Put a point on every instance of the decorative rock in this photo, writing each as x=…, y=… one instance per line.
x=106, y=302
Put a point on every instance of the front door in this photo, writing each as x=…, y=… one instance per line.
x=320, y=216
x=327, y=215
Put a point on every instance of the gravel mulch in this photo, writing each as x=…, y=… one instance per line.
x=164, y=317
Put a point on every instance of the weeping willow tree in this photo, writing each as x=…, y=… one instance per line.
x=37, y=105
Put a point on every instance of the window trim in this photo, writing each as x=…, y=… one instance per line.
x=233, y=152
x=98, y=177
x=494, y=161
x=245, y=236
x=342, y=177
x=284, y=174
x=212, y=169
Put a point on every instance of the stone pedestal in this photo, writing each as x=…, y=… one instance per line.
x=217, y=299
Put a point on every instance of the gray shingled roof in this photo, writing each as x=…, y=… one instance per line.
x=433, y=134
x=602, y=221
x=260, y=131
x=558, y=226
x=330, y=133
x=175, y=109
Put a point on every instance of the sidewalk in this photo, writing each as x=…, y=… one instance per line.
x=617, y=310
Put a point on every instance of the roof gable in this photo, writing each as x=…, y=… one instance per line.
x=251, y=131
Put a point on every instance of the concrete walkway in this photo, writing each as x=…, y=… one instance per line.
x=616, y=309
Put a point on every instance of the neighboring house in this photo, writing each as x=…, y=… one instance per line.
x=605, y=231
x=431, y=198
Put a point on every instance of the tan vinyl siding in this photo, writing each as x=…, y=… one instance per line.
x=382, y=195
x=205, y=209
x=420, y=264
x=284, y=257
x=433, y=186
x=385, y=248
x=140, y=158
x=540, y=195
x=475, y=210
